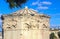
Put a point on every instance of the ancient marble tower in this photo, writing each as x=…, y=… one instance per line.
x=26, y=24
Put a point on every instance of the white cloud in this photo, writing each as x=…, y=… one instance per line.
x=47, y=3
x=42, y=7
x=35, y=3
x=0, y=20
x=0, y=14
x=40, y=4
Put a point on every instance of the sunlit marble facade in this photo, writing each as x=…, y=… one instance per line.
x=26, y=24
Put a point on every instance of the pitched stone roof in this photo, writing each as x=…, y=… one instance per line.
x=27, y=11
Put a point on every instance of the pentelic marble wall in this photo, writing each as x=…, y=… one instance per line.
x=26, y=24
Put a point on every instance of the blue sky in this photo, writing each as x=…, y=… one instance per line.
x=49, y=7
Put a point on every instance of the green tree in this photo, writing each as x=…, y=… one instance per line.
x=52, y=36
x=15, y=3
x=59, y=34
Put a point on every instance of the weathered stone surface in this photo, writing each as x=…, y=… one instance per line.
x=26, y=24
x=0, y=35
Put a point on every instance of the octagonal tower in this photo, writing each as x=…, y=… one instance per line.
x=26, y=24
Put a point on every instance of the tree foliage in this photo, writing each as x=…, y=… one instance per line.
x=52, y=36
x=59, y=34
x=15, y=3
